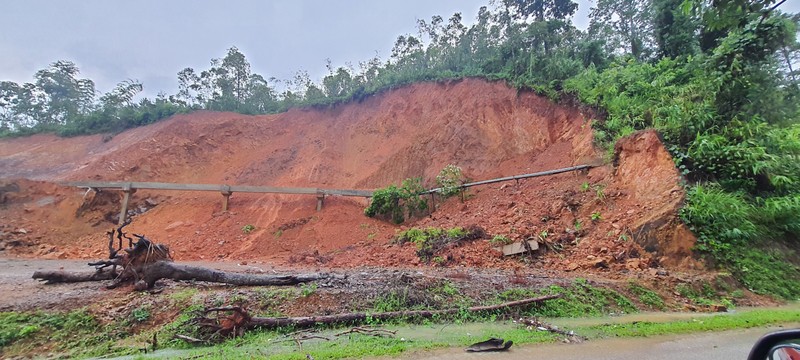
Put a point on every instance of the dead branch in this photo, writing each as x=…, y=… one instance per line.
x=305, y=337
x=189, y=339
x=308, y=321
x=239, y=319
x=369, y=331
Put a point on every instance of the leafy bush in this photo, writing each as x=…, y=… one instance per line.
x=431, y=240
x=450, y=180
x=579, y=300
x=141, y=314
x=499, y=240
x=734, y=233
x=396, y=203
x=718, y=218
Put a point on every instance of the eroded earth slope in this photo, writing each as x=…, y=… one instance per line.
x=620, y=216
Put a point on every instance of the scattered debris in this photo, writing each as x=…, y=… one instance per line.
x=535, y=324
x=518, y=247
x=236, y=319
x=369, y=331
x=493, y=344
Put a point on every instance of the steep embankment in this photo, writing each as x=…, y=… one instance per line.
x=484, y=127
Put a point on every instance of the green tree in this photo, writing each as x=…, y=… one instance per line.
x=675, y=30
x=64, y=95
x=262, y=97
x=189, y=87
x=542, y=10
x=626, y=24
x=234, y=75
x=339, y=83
x=122, y=95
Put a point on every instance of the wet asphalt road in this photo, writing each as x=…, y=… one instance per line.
x=725, y=345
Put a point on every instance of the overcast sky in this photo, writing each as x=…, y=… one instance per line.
x=151, y=40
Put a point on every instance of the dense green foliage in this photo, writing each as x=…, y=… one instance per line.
x=396, y=203
x=61, y=102
x=726, y=103
x=730, y=121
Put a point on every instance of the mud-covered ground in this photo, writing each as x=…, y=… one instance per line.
x=345, y=289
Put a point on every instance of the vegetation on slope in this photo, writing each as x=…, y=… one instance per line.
x=717, y=79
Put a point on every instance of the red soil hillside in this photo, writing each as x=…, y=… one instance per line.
x=484, y=127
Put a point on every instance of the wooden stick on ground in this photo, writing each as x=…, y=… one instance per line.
x=308, y=321
x=368, y=331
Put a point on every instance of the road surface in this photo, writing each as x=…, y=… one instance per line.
x=734, y=344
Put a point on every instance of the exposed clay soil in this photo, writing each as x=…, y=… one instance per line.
x=615, y=220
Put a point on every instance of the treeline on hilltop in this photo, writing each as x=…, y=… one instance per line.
x=718, y=79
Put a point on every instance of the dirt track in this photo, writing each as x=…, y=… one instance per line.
x=344, y=289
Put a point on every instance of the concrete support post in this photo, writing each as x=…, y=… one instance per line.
x=226, y=195
x=126, y=198
x=320, y=200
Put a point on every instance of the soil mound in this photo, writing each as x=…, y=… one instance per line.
x=622, y=216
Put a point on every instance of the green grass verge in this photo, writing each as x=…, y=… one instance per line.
x=431, y=336
x=741, y=320
x=70, y=334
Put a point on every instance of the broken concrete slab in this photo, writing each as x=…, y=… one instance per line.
x=517, y=247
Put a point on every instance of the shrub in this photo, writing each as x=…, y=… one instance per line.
x=450, y=180
x=718, y=218
x=431, y=240
x=248, y=228
x=396, y=203
x=499, y=240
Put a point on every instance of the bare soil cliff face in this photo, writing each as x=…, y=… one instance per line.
x=484, y=127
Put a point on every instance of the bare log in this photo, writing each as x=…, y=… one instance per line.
x=169, y=270
x=53, y=277
x=308, y=321
x=152, y=272
x=145, y=262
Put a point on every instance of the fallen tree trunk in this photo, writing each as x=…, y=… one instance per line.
x=153, y=272
x=169, y=270
x=54, y=277
x=239, y=319
x=145, y=262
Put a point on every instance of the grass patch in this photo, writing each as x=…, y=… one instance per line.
x=183, y=296
x=579, y=300
x=705, y=294
x=742, y=320
x=71, y=333
x=646, y=296
x=431, y=240
x=268, y=344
